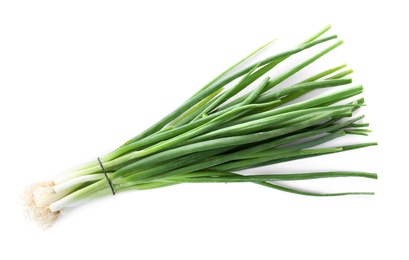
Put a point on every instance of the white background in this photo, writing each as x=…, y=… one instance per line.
x=78, y=78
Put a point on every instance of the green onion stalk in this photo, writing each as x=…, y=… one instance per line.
x=219, y=131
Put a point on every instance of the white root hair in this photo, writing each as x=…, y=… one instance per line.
x=36, y=199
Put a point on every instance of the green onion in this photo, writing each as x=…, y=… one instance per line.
x=218, y=131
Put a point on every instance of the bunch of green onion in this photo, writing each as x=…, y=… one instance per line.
x=218, y=132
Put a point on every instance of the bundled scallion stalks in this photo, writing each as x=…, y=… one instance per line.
x=218, y=132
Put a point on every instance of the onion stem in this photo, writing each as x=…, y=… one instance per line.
x=218, y=131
